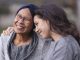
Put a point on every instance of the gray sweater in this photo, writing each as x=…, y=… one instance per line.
x=64, y=49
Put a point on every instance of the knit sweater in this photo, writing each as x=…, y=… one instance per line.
x=65, y=49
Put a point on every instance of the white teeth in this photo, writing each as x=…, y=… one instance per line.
x=19, y=27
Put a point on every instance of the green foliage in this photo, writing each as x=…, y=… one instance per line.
x=1, y=30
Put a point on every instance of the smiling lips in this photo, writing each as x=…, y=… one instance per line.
x=20, y=27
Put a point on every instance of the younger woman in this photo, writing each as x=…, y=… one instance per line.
x=51, y=22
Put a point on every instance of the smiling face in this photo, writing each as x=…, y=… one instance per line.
x=42, y=26
x=23, y=21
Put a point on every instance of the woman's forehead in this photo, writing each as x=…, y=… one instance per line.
x=25, y=12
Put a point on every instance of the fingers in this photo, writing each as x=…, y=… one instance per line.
x=7, y=31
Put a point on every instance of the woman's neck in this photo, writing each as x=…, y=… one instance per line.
x=22, y=39
x=55, y=36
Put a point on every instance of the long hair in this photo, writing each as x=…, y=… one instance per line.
x=58, y=20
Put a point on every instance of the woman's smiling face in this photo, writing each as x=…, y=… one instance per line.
x=42, y=27
x=23, y=21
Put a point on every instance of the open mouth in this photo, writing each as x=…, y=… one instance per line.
x=20, y=27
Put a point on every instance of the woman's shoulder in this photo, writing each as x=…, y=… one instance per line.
x=69, y=39
x=68, y=42
x=6, y=38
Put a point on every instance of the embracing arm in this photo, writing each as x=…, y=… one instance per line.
x=7, y=31
x=1, y=50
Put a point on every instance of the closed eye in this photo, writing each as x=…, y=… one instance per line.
x=36, y=24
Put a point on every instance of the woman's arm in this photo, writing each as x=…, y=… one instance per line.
x=1, y=50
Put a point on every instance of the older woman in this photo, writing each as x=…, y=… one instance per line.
x=23, y=41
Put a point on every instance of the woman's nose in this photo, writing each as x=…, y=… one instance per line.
x=20, y=20
x=36, y=30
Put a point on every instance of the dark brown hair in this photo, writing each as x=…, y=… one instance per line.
x=58, y=20
x=31, y=7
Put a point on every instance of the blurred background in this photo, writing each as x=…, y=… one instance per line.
x=8, y=9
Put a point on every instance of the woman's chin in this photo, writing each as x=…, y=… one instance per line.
x=44, y=36
x=19, y=31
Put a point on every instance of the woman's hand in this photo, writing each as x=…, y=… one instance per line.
x=7, y=31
